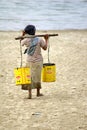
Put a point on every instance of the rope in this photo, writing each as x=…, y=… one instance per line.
x=48, y=51
x=21, y=54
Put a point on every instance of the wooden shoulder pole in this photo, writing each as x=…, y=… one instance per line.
x=22, y=37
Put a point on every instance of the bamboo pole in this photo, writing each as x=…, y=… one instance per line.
x=22, y=37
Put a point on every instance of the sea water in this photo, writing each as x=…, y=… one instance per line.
x=44, y=14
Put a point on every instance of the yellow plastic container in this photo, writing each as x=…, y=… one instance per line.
x=49, y=72
x=22, y=76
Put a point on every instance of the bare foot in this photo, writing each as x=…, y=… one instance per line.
x=29, y=98
x=38, y=95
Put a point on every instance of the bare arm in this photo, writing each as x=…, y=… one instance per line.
x=46, y=37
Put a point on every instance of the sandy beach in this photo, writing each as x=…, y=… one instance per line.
x=64, y=104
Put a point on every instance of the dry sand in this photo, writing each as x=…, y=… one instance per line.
x=64, y=104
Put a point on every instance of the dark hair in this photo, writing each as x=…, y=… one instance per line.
x=30, y=29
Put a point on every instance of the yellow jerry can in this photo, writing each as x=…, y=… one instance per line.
x=49, y=72
x=22, y=75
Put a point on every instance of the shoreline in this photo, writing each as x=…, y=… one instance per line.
x=46, y=30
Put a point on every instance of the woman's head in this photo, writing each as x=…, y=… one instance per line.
x=30, y=29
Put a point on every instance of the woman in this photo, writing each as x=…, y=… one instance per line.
x=34, y=57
